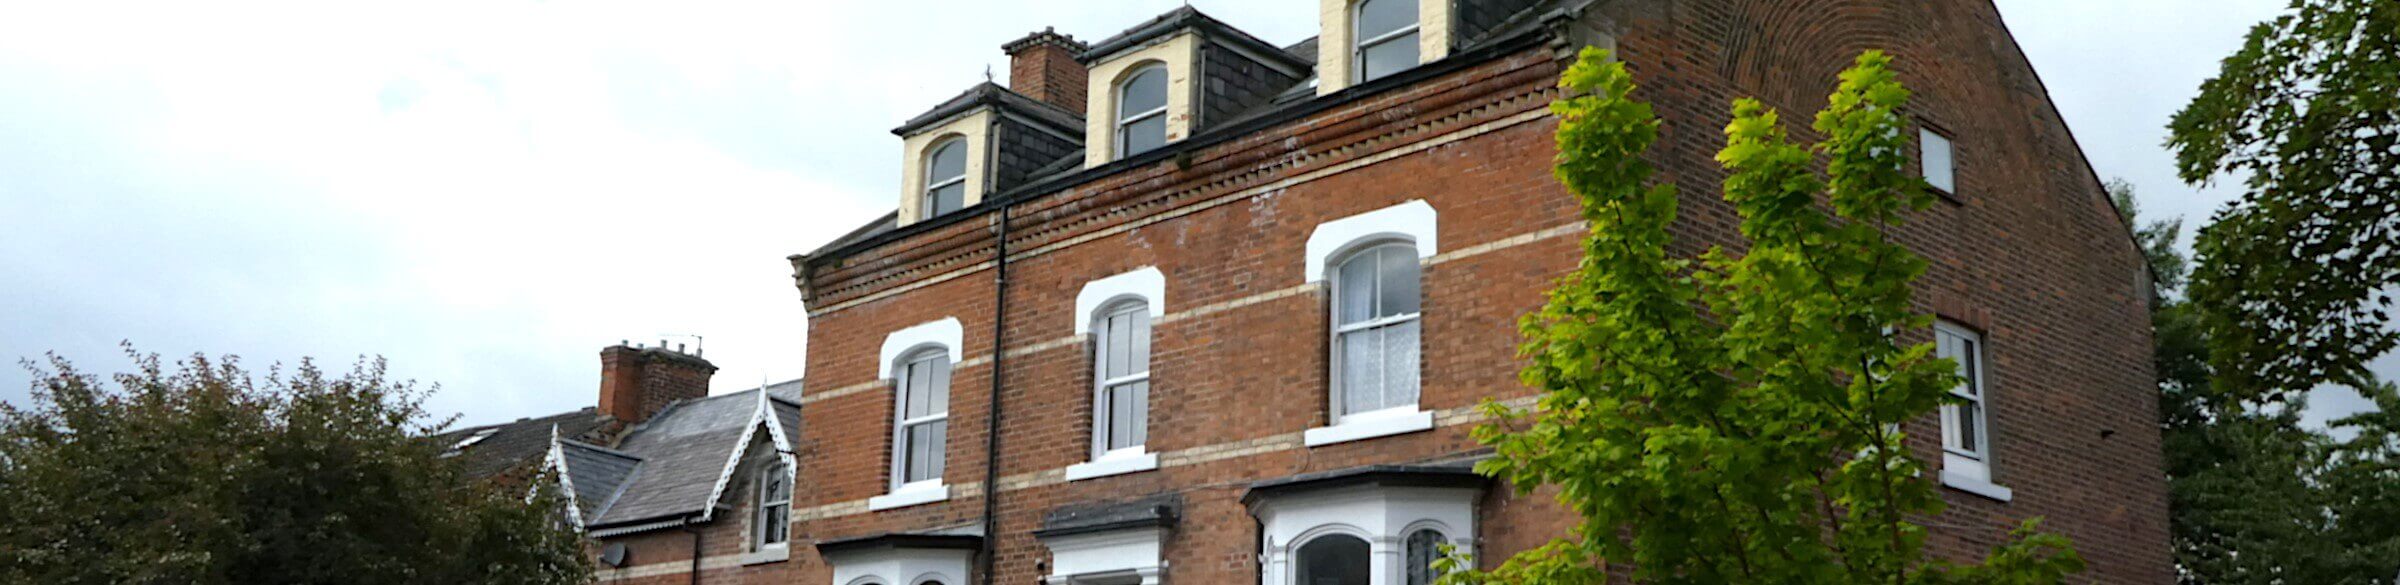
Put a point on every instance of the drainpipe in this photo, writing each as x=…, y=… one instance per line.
x=991, y=446
x=687, y=527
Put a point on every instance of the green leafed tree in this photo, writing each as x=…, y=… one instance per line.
x=2297, y=274
x=203, y=474
x=1735, y=417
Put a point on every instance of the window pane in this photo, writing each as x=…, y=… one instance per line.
x=1398, y=287
x=1143, y=136
x=1138, y=414
x=939, y=380
x=1334, y=560
x=917, y=389
x=1362, y=370
x=1120, y=346
x=1950, y=428
x=1146, y=91
x=939, y=448
x=1970, y=367
x=1122, y=414
x=1388, y=57
x=1940, y=167
x=1970, y=423
x=1400, y=364
x=1140, y=339
x=924, y=450
x=1377, y=17
x=949, y=162
x=1354, y=288
x=1424, y=547
x=947, y=199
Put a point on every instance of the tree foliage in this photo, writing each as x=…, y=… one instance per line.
x=1735, y=418
x=204, y=475
x=2257, y=496
x=2298, y=272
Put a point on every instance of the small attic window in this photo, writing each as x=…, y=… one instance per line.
x=946, y=178
x=471, y=440
x=1142, y=111
x=1386, y=38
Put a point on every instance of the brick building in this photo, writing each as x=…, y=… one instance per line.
x=1185, y=305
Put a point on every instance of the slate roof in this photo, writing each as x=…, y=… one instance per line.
x=992, y=94
x=1184, y=18
x=1458, y=473
x=520, y=444
x=1515, y=22
x=1160, y=510
x=671, y=467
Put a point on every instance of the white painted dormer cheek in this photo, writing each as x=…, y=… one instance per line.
x=1338, y=39
x=1176, y=55
x=973, y=131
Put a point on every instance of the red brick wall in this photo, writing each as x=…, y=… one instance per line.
x=2030, y=251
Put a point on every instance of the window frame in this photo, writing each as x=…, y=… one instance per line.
x=1124, y=121
x=1102, y=384
x=902, y=423
x=1408, y=564
x=1972, y=462
x=1359, y=43
x=927, y=200
x=760, y=522
x=1337, y=395
x=1926, y=134
x=1300, y=551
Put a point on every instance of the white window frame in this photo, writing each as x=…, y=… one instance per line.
x=1963, y=468
x=1145, y=286
x=901, y=422
x=1927, y=140
x=1339, y=392
x=759, y=515
x=1413, y=222
x=1359, y=44
x=927, y=198
x=1124, y=120
x=1101, y=385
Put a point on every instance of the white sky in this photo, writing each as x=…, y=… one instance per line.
x=487, y=192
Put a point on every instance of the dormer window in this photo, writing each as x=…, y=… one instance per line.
x=946, y=178
x=1142, y=111
x=1386, y=38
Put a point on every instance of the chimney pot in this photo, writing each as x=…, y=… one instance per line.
x=1044, y=66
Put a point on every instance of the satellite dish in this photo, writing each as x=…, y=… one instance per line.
x=614, y=555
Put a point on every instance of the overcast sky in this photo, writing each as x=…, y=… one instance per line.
x=487, y=192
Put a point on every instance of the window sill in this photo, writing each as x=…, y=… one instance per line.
x=772, y=554
x=1360, y=427
x=1977, y=486
x=910, y=495
x=1112, y=465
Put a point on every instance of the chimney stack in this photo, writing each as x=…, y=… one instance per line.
x=1043, y=66
x=637, y=382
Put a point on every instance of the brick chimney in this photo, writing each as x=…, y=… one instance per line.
x=1042, y=66
x=637, y=382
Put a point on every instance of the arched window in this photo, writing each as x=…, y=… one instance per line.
x=922, y=417
x=1385, y=37
x=1424, y=547
x=1375, y=326
x=1333, y=559
x=1121, y=372
x=946, y=178
x=774, y=507
x=1142, y=111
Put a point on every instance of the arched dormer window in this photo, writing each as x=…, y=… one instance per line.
x=1141, y=116
x=1385, y=38
x=945, y=178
